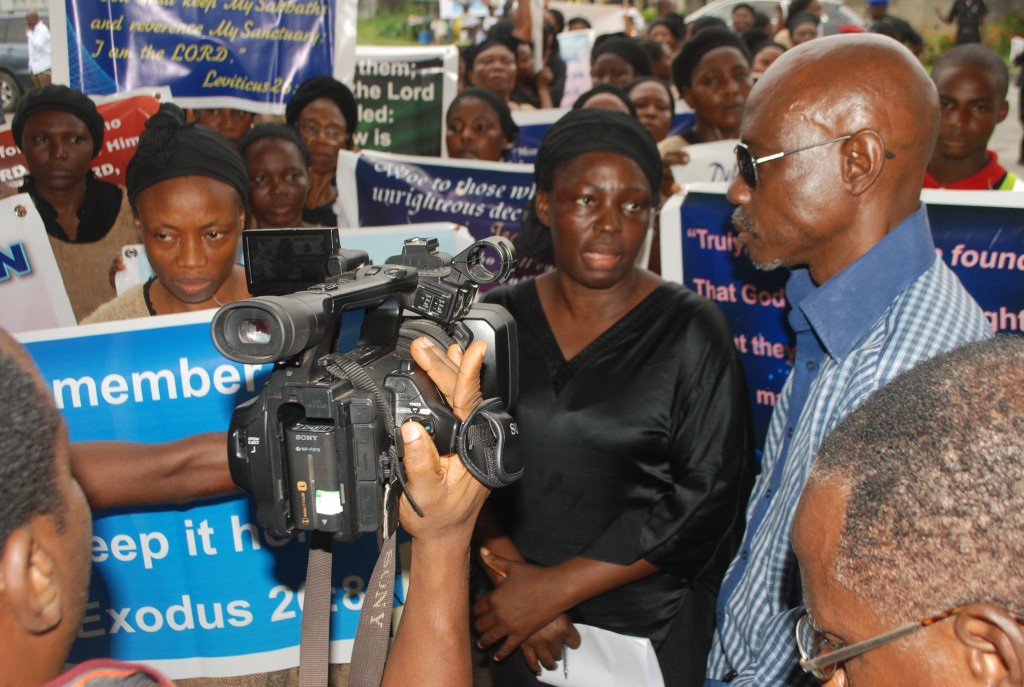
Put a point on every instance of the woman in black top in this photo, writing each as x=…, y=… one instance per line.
x=633, y=419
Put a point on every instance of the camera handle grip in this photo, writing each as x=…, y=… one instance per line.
x=488, y=444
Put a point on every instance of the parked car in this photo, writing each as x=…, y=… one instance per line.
x=15, y=77
x=840, y=18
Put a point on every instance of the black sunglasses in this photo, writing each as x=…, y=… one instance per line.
x=747, y=163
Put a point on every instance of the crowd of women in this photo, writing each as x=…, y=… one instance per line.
x=632, y=407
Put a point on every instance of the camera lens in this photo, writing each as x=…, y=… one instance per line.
x=268, y=328
x=254, y=331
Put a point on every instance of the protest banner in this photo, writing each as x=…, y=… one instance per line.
x=533, y=124
x=602, y=18
x=376, y=189
x=124, y=118
x=32, y=294
x=199, y=589
x=403, y=95
x=708, y=162
x=574, y=48
x=980, y=235
x=248, y=54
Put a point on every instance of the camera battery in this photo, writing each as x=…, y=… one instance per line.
x=317, y=490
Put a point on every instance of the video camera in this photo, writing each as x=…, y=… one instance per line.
x=319, y=443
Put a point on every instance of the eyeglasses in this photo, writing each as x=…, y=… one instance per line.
x=747, y=163
x=821, y=657
x=332, y=134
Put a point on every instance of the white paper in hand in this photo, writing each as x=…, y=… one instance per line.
x=607, y=658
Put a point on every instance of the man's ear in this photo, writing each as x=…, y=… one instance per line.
x=1004, y=109
x=993, y=639
x=30, y=581
x=864, y=157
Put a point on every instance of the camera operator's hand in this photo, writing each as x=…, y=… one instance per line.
x=455, y=374
x=449, y=496
x=432, y=644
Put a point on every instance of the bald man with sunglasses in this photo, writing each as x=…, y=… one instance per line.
x=835, y=140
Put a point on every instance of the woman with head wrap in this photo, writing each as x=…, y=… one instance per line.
x=326, y=115
x=492, y=65
x=479, y=126
x=661, y=58
x=229, y=123
x=618, y=59
x=656, y=108
x=763, y=55
x=782, y=25
x=632, y=420
x=802, y=27
x=87, y=220
x=668, y=30
x=712, y=73
x=277, y=160
x=533, y=88
x=703, y=24
x=187, y=186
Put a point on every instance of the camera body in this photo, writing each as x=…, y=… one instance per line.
x=318, y=444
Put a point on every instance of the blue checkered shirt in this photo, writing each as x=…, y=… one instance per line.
x=896, y=305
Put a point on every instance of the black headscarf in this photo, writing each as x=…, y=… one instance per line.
x=273, y=130
x=799, y=18
x=672, y=22
x=56, y=97
x=171, y=148
x=606, y=88
x=578, y=132
x=699, y=46
x=628, y=49
x=510, y=42
x=324, y=87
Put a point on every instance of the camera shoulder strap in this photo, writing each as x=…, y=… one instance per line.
x=373, y=633
x=316, y=613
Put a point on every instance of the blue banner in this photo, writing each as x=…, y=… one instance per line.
x=980, y=235
x=187, y=589
x=255, y=50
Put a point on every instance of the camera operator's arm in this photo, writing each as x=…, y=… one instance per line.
x=432, y=644
x=119, y=473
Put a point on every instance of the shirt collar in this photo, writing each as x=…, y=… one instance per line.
x=842, y=310
x=988, y=178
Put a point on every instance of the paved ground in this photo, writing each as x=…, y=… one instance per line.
x=1006, y=140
